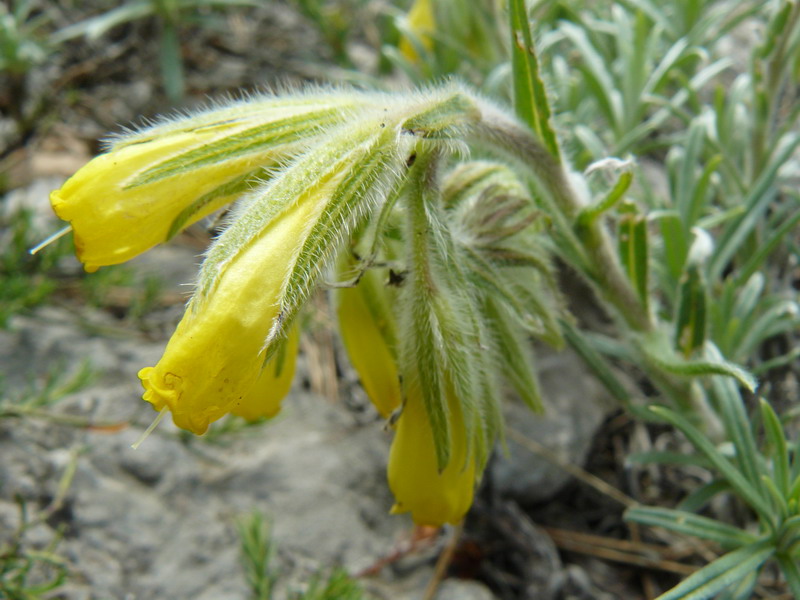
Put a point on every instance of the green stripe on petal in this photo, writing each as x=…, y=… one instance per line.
x=236, y=145
x=374, y=169
x=233, y=188
x=314, y=169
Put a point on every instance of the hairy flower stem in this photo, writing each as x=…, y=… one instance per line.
x=589, y=249
x=419, y=221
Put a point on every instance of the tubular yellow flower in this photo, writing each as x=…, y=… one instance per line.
x=215, y=355
x=265, y=397
x=117, y=211
x=365, y=325
x=432, y=497
x=153, y=183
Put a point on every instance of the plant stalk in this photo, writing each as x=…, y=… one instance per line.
x=590, y=248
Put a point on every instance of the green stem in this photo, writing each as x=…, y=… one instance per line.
x=590, y=248
x=419, y=220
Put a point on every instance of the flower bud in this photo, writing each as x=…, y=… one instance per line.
x=367, y=329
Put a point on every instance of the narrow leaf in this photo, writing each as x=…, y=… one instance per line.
x=700, y=497
x=698, y=368
x=690, y=156
x=635, y=254
x=596, y=362
x=660, y=74
x=738, y=482
x=530, y=96
x=700, y=196
x=737, y=423
x=691, y=524
x=591, y=213
x=675, y=243
x=766, y=248
x=516, y=355
x=778, y=499
x=690, y=320
x=725, y=571
x=598, y=77
x=743, y=590
x=791, y=571
x=95, y=27
x=748, y=296
x=757, y=201
x=779, y=452
x=171, y=62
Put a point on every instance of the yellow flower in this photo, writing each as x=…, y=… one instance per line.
x=216, y=354
x=366, y=327
x=125, y=201
x=153, y=183
x=264, y=398
x=432, y=497
x=422, y=24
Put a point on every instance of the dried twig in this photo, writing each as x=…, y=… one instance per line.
x=574, y=470
x=634, y=553
x=443, y=562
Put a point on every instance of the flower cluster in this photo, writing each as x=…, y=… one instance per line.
x=446, y=276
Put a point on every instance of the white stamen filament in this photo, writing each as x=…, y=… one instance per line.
x=150, y=429
x=57, y=235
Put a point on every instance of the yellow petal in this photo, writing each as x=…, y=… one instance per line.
x=364, y=320
x=216, y=353
x=422, y=22
x=265, y=397
x=432, y=497
x=120, y=204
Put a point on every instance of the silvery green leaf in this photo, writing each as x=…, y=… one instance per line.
x=663, y=358
x=689, y=523
x=723, y=572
